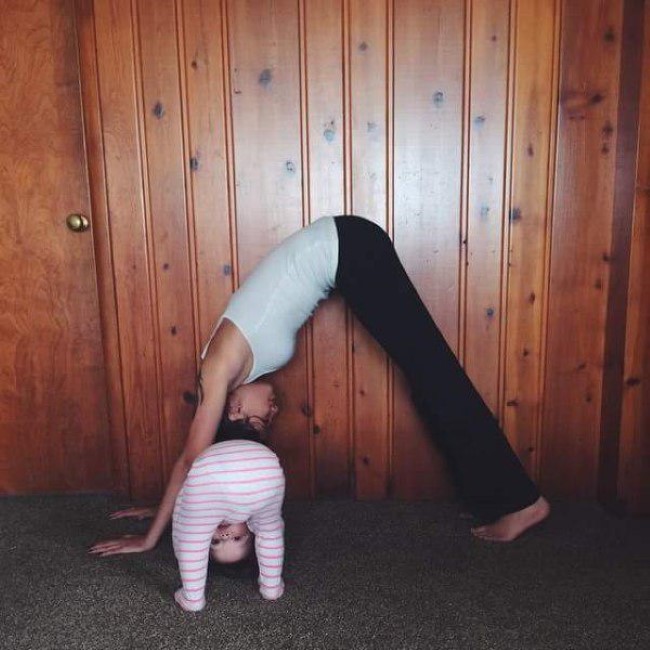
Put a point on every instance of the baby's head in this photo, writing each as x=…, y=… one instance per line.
x=231, y=543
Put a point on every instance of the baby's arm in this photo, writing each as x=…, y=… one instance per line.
x=269, y=548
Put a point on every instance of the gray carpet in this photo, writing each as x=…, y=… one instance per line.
x=358, y=575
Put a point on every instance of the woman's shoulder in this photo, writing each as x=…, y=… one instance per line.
x=227, y=355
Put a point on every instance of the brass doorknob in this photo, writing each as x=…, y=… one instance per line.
x=77, y=222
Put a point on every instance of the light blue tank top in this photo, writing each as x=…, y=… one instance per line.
x=281, y=293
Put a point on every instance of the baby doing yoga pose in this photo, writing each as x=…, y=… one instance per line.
x=257, y=334
x=232, y=487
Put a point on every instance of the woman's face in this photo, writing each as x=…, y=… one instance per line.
x=231, y=543
x=254, y=402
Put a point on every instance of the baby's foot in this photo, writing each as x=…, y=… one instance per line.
x=188, y=605
x=512, y=525
x=272, y=593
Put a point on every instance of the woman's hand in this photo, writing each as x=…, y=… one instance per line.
x=134, y=513
x=126, y=544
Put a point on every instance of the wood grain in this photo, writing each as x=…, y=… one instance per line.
x=166, y=162
x=581, y=246
x=428, y=148
x=324, y=62
x=209, y=150
x=265, y=72
x=487, y=132
x=529, y=225
x=634, y=465
x=622, y=222
x=483, y=136
x=54, y=434
x=94, y=144
x=368, y=45
x=123, y=149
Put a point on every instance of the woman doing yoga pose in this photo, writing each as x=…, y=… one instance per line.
x=256, y=335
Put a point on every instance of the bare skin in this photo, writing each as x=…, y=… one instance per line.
x=228, y=362
x=231, y=543
x=506, y=529
x=136, y=512
x=226, y=366
x=511, y=526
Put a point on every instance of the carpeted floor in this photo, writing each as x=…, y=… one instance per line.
x=358, y=575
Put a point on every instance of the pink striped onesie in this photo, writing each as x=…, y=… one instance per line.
x=230, y=482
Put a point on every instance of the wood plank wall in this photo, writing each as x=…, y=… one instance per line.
x=581, y=244
x=481, y=134
x=633, y=486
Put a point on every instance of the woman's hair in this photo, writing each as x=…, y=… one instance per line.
x=237, y=430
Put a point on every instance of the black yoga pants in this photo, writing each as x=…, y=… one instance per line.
x=488, y=475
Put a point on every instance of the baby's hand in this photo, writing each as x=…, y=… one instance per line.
x=272, y=593
x=186, y=605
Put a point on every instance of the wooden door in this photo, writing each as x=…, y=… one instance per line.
x=54, y=434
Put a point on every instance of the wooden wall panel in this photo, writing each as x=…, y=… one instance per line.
x=582, y=221
x=325, y=157
x=210, y=157
x=94, y=141
x=488, y=93
x=428, y=168
x=627, y=145
x=478, y=134
x=634, y=464
x=369, y=127
x=166, y=161
x=265, y=73
x=119, y=92
x=536, y=30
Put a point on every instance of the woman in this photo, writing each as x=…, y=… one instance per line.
x=256, y=335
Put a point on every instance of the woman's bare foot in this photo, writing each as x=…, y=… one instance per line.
x=512, y=525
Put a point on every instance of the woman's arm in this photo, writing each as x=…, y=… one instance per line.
x=201, y=435
x=135, y=512
x=224, y=369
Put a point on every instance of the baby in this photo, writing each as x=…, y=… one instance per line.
x=232, y=495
